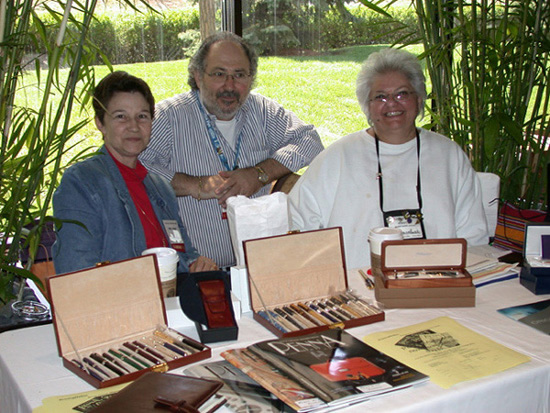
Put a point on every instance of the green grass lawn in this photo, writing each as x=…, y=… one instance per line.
x=319, y=89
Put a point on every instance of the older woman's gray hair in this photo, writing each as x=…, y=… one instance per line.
x=387, y=61
x=198, y=61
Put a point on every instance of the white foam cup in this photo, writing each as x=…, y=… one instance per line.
x=167, y=259
x=376, y=237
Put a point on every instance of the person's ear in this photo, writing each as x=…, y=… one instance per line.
x=99, y=125
x=198, y=78
x=418, y=106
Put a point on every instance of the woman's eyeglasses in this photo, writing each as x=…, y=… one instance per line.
x=401, y=96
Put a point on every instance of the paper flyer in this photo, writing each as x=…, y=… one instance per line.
x=78, y=402
x=446, y=351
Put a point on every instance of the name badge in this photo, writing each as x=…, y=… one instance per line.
x=174, y=235
x=408, y=221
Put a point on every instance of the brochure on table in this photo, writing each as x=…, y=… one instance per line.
x=446, y=351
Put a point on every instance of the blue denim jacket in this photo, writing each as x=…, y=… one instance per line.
x=93, y=193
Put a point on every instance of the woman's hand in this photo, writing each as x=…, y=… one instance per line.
x=203, y=264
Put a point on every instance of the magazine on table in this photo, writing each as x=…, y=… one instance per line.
x=275, y=381
x=335, y=367
x=242, y=393
x=536, y=315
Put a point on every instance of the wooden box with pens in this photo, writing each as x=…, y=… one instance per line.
x=110, y=323
x=424, y=274
x=425, y=263
x=298, y=284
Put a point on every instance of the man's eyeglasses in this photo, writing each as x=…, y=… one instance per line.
x=222, y=77
x=401, y=96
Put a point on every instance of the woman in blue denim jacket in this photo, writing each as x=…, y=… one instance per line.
x=110, y=206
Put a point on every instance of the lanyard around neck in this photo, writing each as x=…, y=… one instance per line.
x=216, y=142
x=379, y=176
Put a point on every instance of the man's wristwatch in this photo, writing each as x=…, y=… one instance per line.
x=262, y=176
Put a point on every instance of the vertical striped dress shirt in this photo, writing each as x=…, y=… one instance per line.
x=180, y=143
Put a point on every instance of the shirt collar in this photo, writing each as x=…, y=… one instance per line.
x=138, y=173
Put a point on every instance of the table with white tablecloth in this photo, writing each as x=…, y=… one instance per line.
x=31, y=369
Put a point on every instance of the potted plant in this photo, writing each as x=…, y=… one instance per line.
x=36, y=105
x=488, y=64
x=46, y=74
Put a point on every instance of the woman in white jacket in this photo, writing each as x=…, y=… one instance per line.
x=393, y=173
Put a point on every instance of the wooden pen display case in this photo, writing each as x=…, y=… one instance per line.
x=111, y=326
x=298, y=284
x=424, y=273
x=425, y=263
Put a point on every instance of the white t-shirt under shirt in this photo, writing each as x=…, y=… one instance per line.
x=227, y=128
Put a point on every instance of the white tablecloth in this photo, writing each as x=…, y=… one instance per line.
x=31, y=370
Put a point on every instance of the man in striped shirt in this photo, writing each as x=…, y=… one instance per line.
x=221, y=140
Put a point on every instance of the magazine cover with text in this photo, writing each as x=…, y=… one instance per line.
x=336, y=366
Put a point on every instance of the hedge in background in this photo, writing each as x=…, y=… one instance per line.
x=368, y=27
x=130, y=37
x=304, y=31
x=148, y=37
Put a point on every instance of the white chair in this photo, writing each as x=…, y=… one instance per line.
x=490, y=192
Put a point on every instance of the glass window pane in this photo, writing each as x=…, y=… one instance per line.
x=282, y=27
